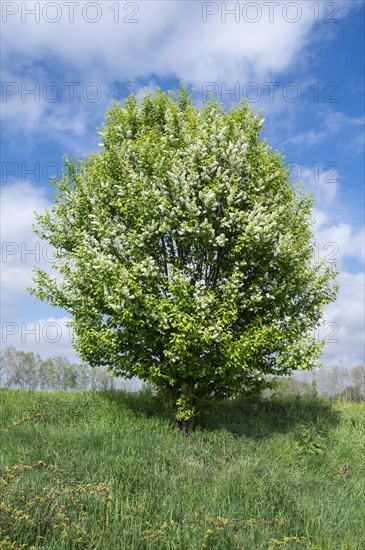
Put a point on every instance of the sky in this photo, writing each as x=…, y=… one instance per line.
x=64, y=63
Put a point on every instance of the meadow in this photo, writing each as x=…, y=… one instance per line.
x=109, y=471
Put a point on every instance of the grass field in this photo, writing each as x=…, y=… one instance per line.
x=109, y=471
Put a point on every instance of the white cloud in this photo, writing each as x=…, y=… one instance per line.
x=336, y=120
x=181, y=39
x=18, y=203
x=67, y=120
x=347, y=313
x=339, y=240
x=333, y=123
x=338, y=123
x=344, y=330
x=323, y=183
x=48, y=337
x=167, y=39
x=307, y=138
x=20, y=248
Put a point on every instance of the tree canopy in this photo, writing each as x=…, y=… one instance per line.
x=185, y=252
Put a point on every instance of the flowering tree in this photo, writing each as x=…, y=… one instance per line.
x=186, y=253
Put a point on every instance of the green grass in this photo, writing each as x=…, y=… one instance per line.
x=255, y=475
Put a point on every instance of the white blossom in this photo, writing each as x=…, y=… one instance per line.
x=221, y=239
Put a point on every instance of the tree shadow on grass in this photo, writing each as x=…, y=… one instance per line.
x=261, y=418
x=256, y=418
x=142, y=403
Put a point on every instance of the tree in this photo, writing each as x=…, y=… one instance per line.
x=19, y=368
x=337, y=380
x=186, y=252
x=294, y=387
x=357, y=374
x=8, y=362
x=46, y=374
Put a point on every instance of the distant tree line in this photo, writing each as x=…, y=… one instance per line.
x=26, y=370
x=338, y=383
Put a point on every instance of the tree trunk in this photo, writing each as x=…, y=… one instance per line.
x=171, y=393
x=187, y=426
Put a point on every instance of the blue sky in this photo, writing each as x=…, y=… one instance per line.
x=301, y=62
